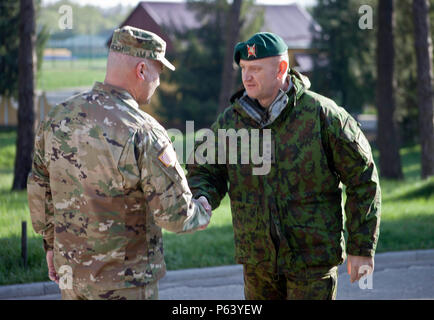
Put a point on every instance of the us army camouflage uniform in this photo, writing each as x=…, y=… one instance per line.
x=147, y=292
x=104, y=181
x=289, y=222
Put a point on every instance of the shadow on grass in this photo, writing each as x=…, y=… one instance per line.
x=422, y=189
x=6, y=171
x=411, y=233
x=410, y=160
x=8, y=136
x=12, y=201
x=210, y=247
x=12, y=270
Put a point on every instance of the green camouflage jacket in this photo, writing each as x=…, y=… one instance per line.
x=104, y=179
x=292, y=217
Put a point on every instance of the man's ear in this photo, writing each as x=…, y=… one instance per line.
x=283, y=66
x=140, y=70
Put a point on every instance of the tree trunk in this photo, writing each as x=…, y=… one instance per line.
x=424, y=54
x=26, y=94
x=387, y=140
x=232, y=34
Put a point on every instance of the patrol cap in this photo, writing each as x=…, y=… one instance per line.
x=261, y=45
x=140, y=43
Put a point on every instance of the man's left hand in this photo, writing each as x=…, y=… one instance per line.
x=354, y=263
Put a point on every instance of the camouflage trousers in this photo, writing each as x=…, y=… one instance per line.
x=310, y=285
x=148, y=292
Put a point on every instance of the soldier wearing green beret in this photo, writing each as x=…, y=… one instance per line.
x=289, y=223
x=105, y=179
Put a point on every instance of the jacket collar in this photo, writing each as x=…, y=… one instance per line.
x=271, y=113
x=120, y=93
x=244, y=105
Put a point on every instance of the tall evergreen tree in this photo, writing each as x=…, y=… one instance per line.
x=9, y=47
x=345, y=67
x=424, y=52
x=387, y=140
x=26, y=96
x=232, y=33
x=406, y=112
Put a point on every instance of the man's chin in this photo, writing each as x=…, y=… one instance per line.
x=251, y=94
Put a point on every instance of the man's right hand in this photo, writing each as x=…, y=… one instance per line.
x=52, y=274
x=204, y=202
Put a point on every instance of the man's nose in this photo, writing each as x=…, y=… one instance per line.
x=247, y=76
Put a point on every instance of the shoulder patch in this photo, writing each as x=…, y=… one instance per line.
x=168, y=156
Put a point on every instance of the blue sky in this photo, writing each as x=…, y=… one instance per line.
x=111, y=3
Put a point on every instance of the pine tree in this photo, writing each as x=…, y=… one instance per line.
x=26, y=94
x=424, y=52
x=344, y=69
x=387, y=139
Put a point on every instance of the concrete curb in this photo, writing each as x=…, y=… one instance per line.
x=398, y=258
x=382, y=261
x=28, y=290
x=195, y=275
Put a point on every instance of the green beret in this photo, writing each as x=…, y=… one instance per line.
x=140, y=43
x=261, y=45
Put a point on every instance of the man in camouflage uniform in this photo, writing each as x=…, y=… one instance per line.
x=288, y=223
x=105, y=179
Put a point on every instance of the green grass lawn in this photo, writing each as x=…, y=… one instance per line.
x=407, y=223
x=68, y=74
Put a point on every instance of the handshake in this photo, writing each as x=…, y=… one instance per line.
x=199, y=217
x=204, y=202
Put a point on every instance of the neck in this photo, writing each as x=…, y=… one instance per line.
x=120, y=83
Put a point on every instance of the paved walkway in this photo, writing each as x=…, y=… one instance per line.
x=398, y=275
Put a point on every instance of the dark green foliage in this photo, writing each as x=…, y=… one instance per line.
x=349, y=75
x=9, y=45
x=199, y=56
x=193, y=91
x=406, y=72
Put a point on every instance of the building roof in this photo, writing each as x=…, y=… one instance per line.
x=292, y=22
x=172, y=15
